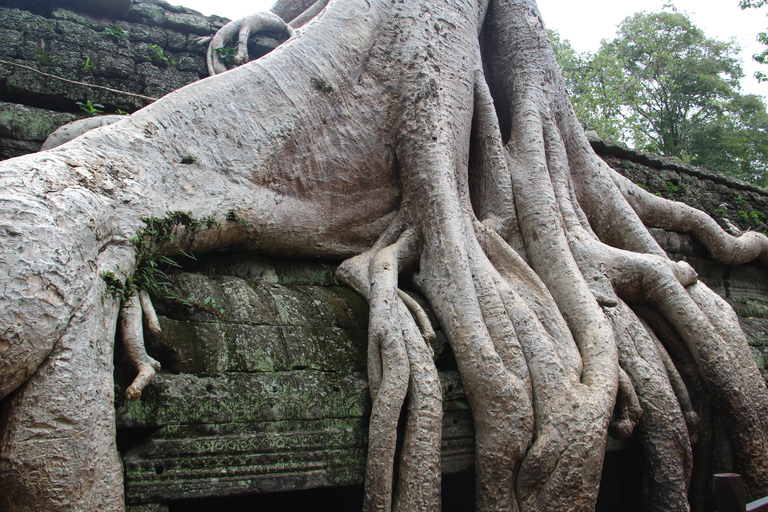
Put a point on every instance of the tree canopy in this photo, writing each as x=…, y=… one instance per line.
x=663, y=86
x=762, y=37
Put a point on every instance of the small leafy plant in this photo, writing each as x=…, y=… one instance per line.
x=744, y=217
x=116, y=33
x=91, y=108
x=671, y=187
x=321, y=85
x=157, y=54
x=232, y=216
x=227, y=55
x=87, y=67
x=154, y=270
x=44, y=58
x=189, y=159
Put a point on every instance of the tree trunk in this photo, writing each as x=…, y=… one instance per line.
x=402, y=136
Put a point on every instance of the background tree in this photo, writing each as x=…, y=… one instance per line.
x=762, y=37
x=662, y=86
x=426, y=139
x=591, y=80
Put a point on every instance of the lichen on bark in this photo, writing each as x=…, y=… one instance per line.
x=442, y=147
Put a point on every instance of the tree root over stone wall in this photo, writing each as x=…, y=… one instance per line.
x=433, y=152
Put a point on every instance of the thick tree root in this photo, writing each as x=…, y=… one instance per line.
x=241, y=30
x=150, y=315
x=663, y=430
x=399, y=364
x=658, y=212
x=133, y=338
x=627, y=411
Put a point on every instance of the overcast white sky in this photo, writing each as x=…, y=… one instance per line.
x=587, y=22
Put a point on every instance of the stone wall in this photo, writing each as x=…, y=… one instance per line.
x=735, y=204
x=263, y=389
x=151, y=52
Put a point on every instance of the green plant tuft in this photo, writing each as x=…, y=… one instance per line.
x=744, y=216
x=227, y=55
x=116, y=33
x=157, y=54
x=154, y=270
x=232, y=216
x=671, y=187
x=44, y=58
x=87, y=67
x=321, y=85
x=114, y=285
x=91, y=108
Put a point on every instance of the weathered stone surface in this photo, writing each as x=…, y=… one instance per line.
x=756, y=330
x=105, y=51
x=721, y=196
x=23, y=129
x=263, y=390
x=10, y=148
x=117, y=9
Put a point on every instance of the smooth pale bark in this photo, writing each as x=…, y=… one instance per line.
x=433, y=138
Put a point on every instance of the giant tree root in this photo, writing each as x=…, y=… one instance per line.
x=133, y=338
x=433, y=138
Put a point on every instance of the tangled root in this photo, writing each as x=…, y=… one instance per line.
x=132, y=333
x=242, y=28
x=400, y=365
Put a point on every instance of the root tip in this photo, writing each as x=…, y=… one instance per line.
x=621, y=429
x=132, y=393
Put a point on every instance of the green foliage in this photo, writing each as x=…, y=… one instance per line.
x=735, y=141
x=663, y=86
x=232, y=216
x=153, y=268
x=671, y=187
x=227, y=55
x=588, y=78
x=87, y=67
x=744, y=216
x=762, y=37
x=114, y=285
x=150, y=263
x=44, y=57
x=321, y=85
x=91, y=108
x=116, y=33
x=211, y=222
x=189, y=159
x=157, y=54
